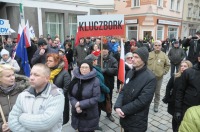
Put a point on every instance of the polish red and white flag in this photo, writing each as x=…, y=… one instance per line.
x=121, y=70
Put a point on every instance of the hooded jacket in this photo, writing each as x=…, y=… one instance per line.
x=8, y=98
x=11, y=62
x=89, y=118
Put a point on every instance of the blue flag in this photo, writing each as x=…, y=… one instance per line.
x=21, y=52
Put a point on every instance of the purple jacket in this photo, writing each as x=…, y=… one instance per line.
x=88, y=120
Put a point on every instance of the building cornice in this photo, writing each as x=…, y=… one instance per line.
x=152, y=14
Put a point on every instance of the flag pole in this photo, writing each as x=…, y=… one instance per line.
x=2, y=115
x=2, y=41
x=101, y=52
x=22, y=19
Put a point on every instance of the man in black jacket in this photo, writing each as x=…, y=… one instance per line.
x=132, y=104
x=109, y=70
x=194, y=44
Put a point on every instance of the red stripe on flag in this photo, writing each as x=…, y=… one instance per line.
x=121, y=75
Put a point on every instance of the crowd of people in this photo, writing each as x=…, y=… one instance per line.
x=83, y=77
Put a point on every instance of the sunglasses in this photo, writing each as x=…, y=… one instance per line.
x=129, y=58
x=157, y=45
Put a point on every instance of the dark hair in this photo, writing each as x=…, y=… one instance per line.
x=68, y=43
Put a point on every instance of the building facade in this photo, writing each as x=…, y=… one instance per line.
x=52, y=16
x=191, y=17
x=160, y=19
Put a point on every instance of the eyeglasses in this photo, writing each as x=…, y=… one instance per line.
x=129, y=58
x=157, y=45
x=84, y=67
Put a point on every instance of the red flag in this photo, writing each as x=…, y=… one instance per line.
x=27, y=35
x=121, y=71
x=77, y=39
x=19, y=33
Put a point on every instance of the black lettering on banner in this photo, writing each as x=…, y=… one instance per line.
x=105, y=25
x=81, y=26
x=100, y=27
x=114, y=24
x=95, y=25
x=85, y=27
x=120, y=24
x=110, y=25
x=91, y=26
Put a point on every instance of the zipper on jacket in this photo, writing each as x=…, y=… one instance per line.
x=9, y=102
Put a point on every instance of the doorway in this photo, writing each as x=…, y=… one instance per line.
x=147, y=35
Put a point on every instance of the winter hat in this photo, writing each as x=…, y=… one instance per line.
x=4, y=52
x=143, y=53
x=87, y=62
x=129, y=54
x=62, y=50
x=91, y=57
x=41, y=42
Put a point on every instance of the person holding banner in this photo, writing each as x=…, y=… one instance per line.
x=133, y=102
x=109, y=70
x=11, y=85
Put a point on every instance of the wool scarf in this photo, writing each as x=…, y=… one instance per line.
x=54, y=73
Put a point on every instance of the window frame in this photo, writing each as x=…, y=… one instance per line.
x=137, y=1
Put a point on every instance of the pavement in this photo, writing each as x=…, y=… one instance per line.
x=157, y=122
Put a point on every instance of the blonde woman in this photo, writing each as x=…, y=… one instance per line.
x=10, y=86
x=170, y=94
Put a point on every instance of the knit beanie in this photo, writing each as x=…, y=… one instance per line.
x=87, y=62
x=143, y=53
x=4, y=52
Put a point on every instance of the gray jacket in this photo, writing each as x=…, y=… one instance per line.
x=176, y=55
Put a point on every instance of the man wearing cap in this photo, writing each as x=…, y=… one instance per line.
x=158, y=63
x=6, y=59
x=80, y=51
x=40, y=54
x=133, y=102
x=109, y=70
x=188, y=91
x=194, y=43
x=176, y=55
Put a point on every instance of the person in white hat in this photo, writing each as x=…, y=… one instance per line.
x=6, y=59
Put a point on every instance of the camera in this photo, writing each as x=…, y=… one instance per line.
x=194, y=37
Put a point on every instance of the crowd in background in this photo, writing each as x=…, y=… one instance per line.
x=86, y=74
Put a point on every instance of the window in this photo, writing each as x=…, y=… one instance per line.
x=192, y=32
x=173, y=32
x=54, y=25
x=160, y=3
x=189, y=11
x=160, y=33
x=131, y=32
x=178, y=5
x=136, y=3
x=72, y=24
x=172, y=5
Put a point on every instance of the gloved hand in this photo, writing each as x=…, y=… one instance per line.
x=178, y=116
x=165, y=100
x=103, y=70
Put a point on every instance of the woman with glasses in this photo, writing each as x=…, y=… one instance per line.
x=128, y=62
x=84, y=94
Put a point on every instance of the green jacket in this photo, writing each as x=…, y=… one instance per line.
x=191, y=120
x=158, y=63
